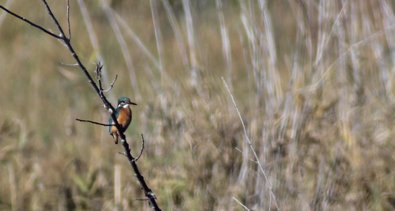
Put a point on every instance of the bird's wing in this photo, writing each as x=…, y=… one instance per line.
x=110, y=121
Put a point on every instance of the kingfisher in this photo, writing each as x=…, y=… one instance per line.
x=123, y=113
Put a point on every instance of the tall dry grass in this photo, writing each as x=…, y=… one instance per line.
x=261, y=105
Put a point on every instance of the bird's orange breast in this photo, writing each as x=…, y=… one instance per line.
x=125, y=115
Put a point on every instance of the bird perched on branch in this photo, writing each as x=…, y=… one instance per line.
x=123, y=114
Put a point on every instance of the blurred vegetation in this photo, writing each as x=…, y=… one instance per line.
x=313, y=81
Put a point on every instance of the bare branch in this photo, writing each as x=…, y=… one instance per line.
x=93, y=122
x=98, y=70
x=98, y=89
x=30, y=23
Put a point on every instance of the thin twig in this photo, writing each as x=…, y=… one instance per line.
x=142, y=148
x=98, y=72
x=68, y=18
x=111, y=85
x=93, y=122
x=30, y=23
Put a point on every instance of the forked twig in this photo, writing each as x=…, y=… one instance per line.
x=98, y=72
x=62, y=34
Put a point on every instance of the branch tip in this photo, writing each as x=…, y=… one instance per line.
x=93, y=122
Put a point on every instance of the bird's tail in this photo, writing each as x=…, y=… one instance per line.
x=115, y=137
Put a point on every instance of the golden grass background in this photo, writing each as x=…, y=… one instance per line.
x=313, y=82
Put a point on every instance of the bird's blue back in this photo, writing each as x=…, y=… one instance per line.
x=110, y=121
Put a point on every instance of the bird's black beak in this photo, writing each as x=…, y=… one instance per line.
x=132, y=103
